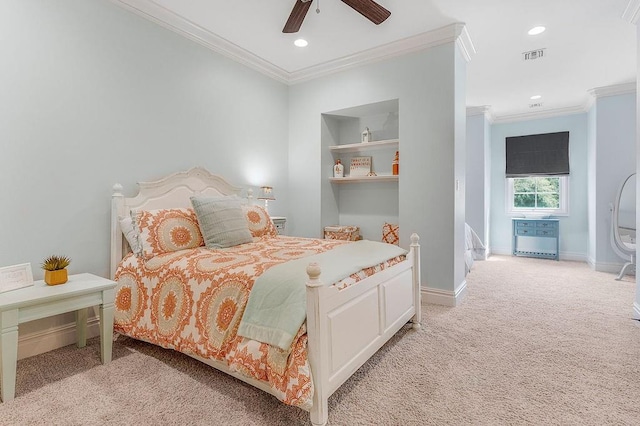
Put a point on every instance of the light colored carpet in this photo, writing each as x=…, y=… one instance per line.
x=536, y=342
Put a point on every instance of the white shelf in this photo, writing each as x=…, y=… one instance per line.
x=365, y=146
x=379, y=178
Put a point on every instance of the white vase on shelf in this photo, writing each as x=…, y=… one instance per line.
x=366, y=135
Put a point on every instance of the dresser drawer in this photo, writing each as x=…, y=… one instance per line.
x=547, y=225
x=525, y=224
x=525, y=231
x=551, y=232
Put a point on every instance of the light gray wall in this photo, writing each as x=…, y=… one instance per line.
x=459, y=177
x=591, y=182
x=478, y=172
x=429, y=85
x=91, y=95
x=573, y=228
x=94, y=95
x=614, y=155
x=487, y=185
x=636, y=310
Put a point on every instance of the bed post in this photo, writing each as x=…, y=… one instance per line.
x=116, y=234
x=317, y=335
x=415, y=257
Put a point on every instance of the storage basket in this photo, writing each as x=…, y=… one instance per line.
x=339, y=232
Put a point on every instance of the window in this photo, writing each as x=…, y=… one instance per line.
x=538, y=194
x=537, y=172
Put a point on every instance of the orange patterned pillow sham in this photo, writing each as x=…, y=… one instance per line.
x=259, y=221
x=390, y=233
x=167, y=230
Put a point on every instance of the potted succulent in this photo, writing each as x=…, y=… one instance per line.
x=55, y=271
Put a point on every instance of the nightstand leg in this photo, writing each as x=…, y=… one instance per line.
x=106, y=326
x=8, y=353
x=81, y=327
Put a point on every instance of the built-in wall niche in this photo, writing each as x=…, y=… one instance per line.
x=370, y=201
x=342, y=135
x=381, y=118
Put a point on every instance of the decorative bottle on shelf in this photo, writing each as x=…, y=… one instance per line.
x=366, y=135
x=338, y=169
x=395, y=165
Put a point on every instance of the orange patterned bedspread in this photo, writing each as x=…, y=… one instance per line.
x=192, y=301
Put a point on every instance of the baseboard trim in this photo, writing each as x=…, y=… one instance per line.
x=501, y=251
x=636, y=310
x=39, y=342
x=613, y=268
x=437, y=296
x=575, y=257
x=610, y=267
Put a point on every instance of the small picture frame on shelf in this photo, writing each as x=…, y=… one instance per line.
x=15, y=277
x=360, y=166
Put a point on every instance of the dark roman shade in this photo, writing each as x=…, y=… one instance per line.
x=538, y=155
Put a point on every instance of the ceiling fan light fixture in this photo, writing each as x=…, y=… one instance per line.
x=536, y=30
x=301, y=42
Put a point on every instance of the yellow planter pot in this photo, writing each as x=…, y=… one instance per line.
x=55, y=277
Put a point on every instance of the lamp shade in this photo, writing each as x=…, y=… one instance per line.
x=266, y=193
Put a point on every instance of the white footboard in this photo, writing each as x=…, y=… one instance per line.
x=346, y=327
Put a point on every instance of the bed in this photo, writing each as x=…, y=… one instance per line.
x=198, y=300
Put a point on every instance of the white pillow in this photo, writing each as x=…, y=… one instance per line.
x=131, y=234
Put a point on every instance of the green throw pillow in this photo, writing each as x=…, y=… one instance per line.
x=222, y=221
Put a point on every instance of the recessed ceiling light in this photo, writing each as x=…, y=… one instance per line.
x=534, y=97
x=536, y=30
x=301, y=42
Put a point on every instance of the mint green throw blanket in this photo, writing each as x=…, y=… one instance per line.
x=277, y=304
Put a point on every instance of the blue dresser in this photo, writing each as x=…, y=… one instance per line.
x=538, y=232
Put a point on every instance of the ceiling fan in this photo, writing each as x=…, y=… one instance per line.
x=367, y=8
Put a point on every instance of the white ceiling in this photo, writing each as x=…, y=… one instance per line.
x=587, y=44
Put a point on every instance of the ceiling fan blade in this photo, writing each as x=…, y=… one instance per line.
x=370, y=10
x=298, y=13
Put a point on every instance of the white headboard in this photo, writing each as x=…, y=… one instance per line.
x=172, y=191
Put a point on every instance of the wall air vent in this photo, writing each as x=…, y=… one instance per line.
x=536, y=105
x=534, y=54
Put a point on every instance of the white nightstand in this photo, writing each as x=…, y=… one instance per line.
x=280, y=223
x=40, y=301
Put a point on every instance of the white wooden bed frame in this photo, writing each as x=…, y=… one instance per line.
x=345, y=328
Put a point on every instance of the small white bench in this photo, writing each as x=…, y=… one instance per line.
x=40, y=301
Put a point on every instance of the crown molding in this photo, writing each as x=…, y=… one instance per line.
x=176, y=23
x=598, y=92
x=152, y=11
x=632, y=12
x=484, y=110
x=557, y=112
x=447, y=34
x=613, y=90
x=464, y=43
x=478, y=110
